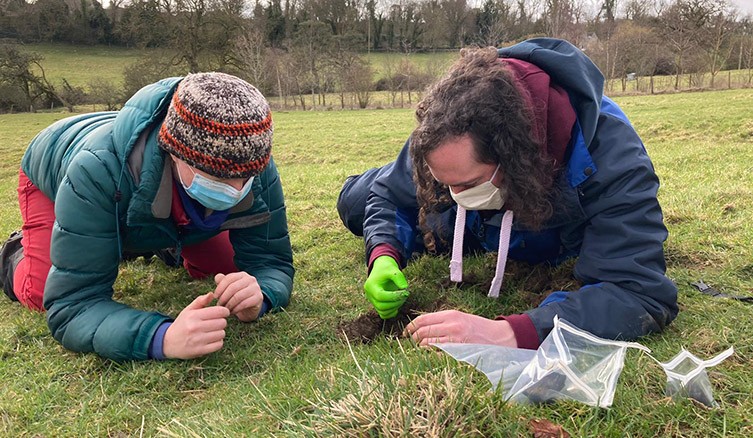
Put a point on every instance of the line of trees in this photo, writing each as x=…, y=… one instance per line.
x=303, y=50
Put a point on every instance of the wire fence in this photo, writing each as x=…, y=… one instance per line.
x=728, y=79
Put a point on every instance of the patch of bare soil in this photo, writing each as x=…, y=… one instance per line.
x=370, y=326
x=531, y=282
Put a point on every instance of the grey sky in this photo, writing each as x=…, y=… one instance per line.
x=744, y=6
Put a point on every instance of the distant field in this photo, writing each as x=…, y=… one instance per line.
x=427, y=62
x=80, y=64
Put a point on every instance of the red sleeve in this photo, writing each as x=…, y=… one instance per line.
x=384, y=249
x=525, y=331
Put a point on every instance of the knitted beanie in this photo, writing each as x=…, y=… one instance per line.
x=219, y=124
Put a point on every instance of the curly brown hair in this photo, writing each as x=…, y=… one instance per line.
x=478, y=97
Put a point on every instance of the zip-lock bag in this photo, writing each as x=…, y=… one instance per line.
x=501, y=365
x=687, y=377
x=570, y=364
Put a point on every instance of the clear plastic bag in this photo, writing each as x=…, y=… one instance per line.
x=569, y=364
x=572, y=364
x=687, y=377
x=501, y=365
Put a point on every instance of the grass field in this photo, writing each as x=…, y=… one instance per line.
x=292, y=375
x=79, y=65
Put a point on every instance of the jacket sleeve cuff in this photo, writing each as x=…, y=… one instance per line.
x=158, y=341
x=265, y=306
x=525, y=331
x=384, y=249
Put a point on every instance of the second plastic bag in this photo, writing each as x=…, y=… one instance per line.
x=687, y=377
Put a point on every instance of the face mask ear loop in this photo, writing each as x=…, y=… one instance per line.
x=180, y=178
x=494, y=174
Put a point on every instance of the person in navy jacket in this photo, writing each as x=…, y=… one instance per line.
x=517, y=151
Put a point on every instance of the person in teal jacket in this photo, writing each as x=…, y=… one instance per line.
x=186, y=164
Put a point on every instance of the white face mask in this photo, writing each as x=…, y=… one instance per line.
x=484, y=196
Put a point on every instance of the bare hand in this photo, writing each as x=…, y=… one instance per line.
x=456, y=326
x=240, y=294
x=197, y=331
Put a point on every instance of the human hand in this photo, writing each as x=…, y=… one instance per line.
x=198, y=330
x=461, y=327
x=240, y=293
x=386, y=287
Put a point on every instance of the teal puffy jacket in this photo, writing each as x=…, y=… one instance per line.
x=112, y=188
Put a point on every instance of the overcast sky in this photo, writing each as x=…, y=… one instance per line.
x=745, y=6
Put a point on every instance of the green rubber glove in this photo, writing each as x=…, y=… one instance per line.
x=386, y=287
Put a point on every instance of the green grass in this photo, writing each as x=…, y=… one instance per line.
x=291, y=375
x=79, y=65
x=426, y=62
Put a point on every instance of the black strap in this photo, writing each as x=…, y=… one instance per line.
x=708, y=290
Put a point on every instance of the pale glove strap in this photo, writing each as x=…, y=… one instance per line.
x=456, y=263
x=504, y=244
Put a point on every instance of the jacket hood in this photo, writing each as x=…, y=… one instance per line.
x=569, y=68
x=548, y=104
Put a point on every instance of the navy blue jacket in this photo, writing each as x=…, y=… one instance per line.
x=606, y=212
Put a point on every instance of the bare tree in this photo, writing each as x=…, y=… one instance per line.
x=557, y=17
x=745, y=60
x=638, y=10
x=18, y=68
x=341, y=15
x=189, y=26
x=715, y=37
x=392, y=80
x=374, y=25
x=311, y=45
x=102, y=91
x=633, y=52
x=405, y=27
x=455, y=14
x=436, y=35
x=562, y=19
x=251, y=55
x=291, y=70
x=495, y=22
x=681, y=24
x=203, y=30
x=357, y=80
x=281, y=64
x=410, y=80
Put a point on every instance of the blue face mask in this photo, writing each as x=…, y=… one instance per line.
x=214, y=194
